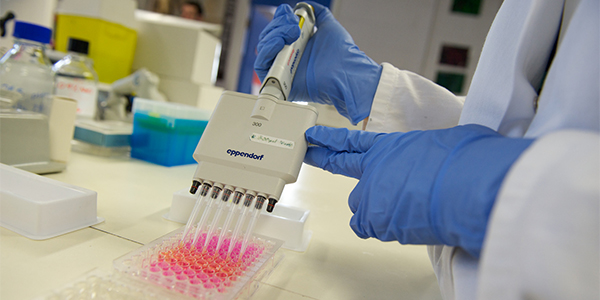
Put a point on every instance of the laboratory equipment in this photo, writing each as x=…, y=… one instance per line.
x=183, y=53
x=110, y=28
x=337, y=73
x=34, y=141
x=36, y=126
x=285, y=223
x=26, y=69
x=142, y=83
x=109, y=138
x=185, y=269
x=39, y=208
x=166, y=133
x=76, y=78
x=25, y=141
x=257, y=144
x=100, y=284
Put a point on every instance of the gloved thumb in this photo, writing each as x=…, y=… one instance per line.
x=342, y=139
x=340, y=150
x=343, y=163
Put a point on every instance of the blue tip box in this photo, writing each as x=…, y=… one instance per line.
x=166, y=133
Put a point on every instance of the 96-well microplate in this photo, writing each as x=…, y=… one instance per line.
x=202, y=273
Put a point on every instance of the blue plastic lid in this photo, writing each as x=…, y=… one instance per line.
x=32, y=32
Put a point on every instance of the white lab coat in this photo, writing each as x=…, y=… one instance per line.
x=542, y=240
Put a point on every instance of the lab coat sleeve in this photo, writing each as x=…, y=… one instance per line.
x=405, y=101
x=543, y=235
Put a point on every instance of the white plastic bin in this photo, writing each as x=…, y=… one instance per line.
x=40, y=208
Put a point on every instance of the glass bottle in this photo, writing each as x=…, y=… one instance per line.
x=26, y=69
x=76, y=78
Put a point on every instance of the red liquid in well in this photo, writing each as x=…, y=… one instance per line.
x=207, y=267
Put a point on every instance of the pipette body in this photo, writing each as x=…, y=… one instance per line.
x=263, y=150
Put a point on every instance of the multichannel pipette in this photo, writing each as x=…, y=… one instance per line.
x=253, y=146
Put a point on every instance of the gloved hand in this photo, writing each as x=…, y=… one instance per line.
x=332, y=69
x=420, y=187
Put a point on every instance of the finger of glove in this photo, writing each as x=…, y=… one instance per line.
x=343, y=163
x=284, y=15
x=271, y=44
x=341, y=139
x=266, y=55
x=288, y=32
x=285, y=26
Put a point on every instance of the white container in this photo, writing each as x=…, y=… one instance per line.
x=202, y=96
x=61, y=125
x=40, y=208
x=177, y=48
x=285, y=223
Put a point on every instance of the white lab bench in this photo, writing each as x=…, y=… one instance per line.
x=134, y=195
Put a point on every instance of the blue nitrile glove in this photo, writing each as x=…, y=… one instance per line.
x=332, y=69
x=420, y=187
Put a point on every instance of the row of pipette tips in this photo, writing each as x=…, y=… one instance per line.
x=215, y=196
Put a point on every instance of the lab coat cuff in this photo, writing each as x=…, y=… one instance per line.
x=405, y=101
x=385, y=116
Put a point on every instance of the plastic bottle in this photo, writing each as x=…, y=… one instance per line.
x=26, y=69
x=76, y=78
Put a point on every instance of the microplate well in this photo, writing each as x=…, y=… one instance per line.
x=98, y=284
x=202, y=273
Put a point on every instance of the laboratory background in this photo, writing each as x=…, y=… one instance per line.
x=104, y=103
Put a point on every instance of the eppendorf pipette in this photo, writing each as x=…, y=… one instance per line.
x=264, y=145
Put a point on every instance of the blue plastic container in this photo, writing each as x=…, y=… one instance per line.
x=166, y=133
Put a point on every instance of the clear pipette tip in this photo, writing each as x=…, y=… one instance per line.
x=260, y=200
x=237, y=196
x=213, y=195
x=213, y=225
x=234, y=237
x=194, y=215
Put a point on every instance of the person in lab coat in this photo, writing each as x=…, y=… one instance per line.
x=503, y=188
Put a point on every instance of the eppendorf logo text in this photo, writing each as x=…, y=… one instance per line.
x=236, y=153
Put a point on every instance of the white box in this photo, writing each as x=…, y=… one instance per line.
x=285, y=223
x=203, y=96
x=40, y=208
x=177, y=48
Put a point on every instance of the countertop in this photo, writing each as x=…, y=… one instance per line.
x=133, y=196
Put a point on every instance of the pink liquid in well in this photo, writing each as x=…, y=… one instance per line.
x=206, y=267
